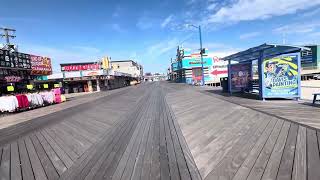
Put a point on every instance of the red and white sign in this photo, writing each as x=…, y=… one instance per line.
x=219, y=69
x=40, y=65
x=81, y=67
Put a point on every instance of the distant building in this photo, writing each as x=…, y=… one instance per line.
x=129, y=67
x=310, y=61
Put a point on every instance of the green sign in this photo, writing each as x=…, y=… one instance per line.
x=46, y=86
x=56, y=85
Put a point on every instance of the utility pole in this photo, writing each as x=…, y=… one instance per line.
x=7, y=36
x=201, y=55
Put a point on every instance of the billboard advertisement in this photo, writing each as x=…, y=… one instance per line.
x=40, y=65
x=218, y=70
x=281, y=76
x=240, y=76
x=196, y=62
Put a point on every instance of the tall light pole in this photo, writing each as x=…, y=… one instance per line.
x=200, y=37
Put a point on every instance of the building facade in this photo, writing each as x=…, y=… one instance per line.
x=188, y=68
x=18, y=71
x=129, y=67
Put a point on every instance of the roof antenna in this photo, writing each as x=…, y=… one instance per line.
x=284, y=35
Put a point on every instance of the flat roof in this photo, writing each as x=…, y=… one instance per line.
x=273, y=49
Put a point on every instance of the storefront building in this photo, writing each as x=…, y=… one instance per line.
x=18, y=71
x=89, y=77
x=128, y=66
x=188, y=68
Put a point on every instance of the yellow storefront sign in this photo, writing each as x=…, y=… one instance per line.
x=46, y=86
x=10, y=88
x=29, y=86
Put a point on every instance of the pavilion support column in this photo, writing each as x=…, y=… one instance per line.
x=229, y=77
x=260, y=72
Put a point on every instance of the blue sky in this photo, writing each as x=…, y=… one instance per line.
x=149, y=31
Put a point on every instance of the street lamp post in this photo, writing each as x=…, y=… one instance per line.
x=202, y=69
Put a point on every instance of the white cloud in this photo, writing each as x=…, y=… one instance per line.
x=298, y=28
x=117, y=27
x=311, y=13
x=212, y=6
x=162, y=47
x=246, y=10
x=249, y=35
x=166, y=21
x=144, y=23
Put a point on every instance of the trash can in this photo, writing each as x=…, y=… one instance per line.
x=224, y=84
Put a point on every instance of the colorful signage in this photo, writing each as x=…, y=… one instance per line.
x=281, y=76
x=12, y=79
x=196, y=62
x=45, y=86
x=81, y=67
x=219, y=69
x=40, y=65
x=10, y=88
x=93, y=73
x=30, y=86
x=105, y=63
x=240, y=76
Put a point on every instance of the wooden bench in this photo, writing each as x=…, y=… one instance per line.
x=315, y=97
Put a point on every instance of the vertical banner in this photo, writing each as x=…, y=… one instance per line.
x=281, y=76
x=240, y=76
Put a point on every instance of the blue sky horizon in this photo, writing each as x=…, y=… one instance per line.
x=149, y=31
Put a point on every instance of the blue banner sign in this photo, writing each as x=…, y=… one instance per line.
x=196, y=62
x=281, y=76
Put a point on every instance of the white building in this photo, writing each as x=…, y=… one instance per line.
x=129, y=67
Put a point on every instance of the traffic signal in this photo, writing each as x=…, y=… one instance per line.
x=203, y=51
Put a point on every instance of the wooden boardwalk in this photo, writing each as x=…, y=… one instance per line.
x=160, y=131
x=129, y=135
x=229, y=141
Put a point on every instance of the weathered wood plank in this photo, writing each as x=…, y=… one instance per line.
x=133, y=157
x=261, y=162
x=300, y=158
x=313, y=155
x=44, y=159
x=272, y=168
x=155, y=163
x=186, y=163
x=138, y=167
x=27, y=172
x=15, y=168
x=56, y=161
x=5, y=163
x=64, y=145
x=247, y=165
x=37, y=168
x=286, y=164
x=60, y=152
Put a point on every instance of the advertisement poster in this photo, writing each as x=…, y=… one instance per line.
x=218, y=70
x=40, y=65
x=240, y=76
x=281, y=76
